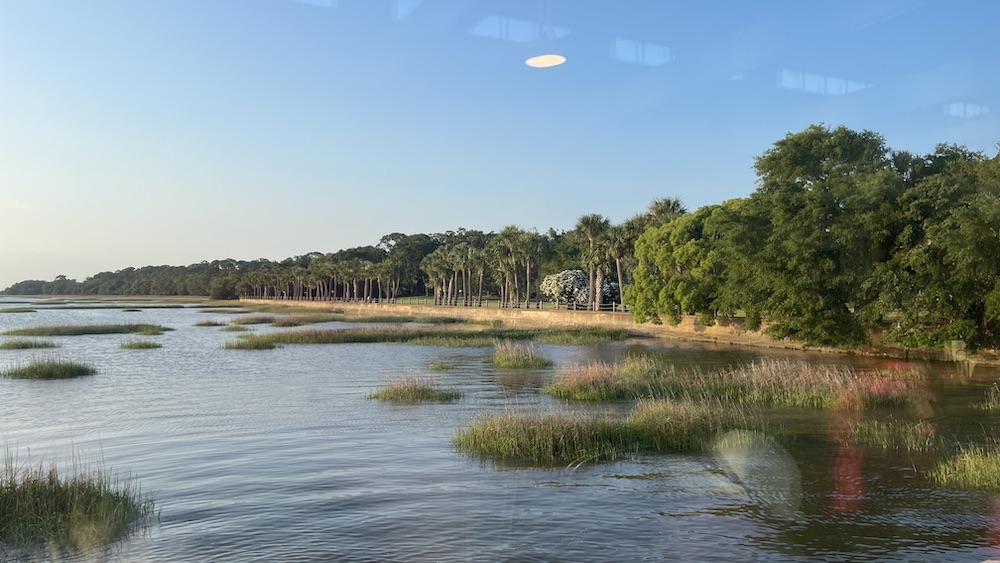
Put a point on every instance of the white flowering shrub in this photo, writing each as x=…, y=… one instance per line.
x=568, y=286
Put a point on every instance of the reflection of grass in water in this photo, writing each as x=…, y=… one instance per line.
x=652, y=426
x=973, y=467
x=25, y=344
x=50, y=369
x=771, y=382
x=412, y=389
x=895, y=434
x=140, y=345
x=77, y=330
x=41, y=506
x=518, y=355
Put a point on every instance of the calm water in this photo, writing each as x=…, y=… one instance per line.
x=277, y=456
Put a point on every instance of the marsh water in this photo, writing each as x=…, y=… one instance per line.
x=278, y=456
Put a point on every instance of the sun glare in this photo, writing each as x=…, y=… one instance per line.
x=545, y=61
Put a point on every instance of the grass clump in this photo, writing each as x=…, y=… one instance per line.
x=518, y=355
x=250, y=344
x=40, y=506
x=992, y=399
x=973, y=467
x=895, y=434
x=549, y=438
x=441, y=366
x=302, y=320
x=77, y=330
x=412, y=389
x=50, y=369
x=255, y=320
x=210, y=322
x=140, y=345
x=769, y=382
x=582, y=336
x=17, y=310
x=25, y=344
x=131, y=310
x=234, y=328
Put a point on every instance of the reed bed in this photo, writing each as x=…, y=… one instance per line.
x=441, y=366
x=26, y=344
x=211, y=322
x=49, y=369
x=768, y=382
x=412, y=389
x=77, y=330
x=255, y=320
x=41, y=506
x=302, y=320
x=574, y=438
x=250, y=344
x=131, y=310
x=917, y=436
x=581, y=336
x=140, y=345
x=992, y=399
x=17, y=310
x=223, y=311
x=234, y=328
x=973, y=467
x=518, y=355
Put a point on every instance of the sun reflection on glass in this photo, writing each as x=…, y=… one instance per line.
x=545, y=61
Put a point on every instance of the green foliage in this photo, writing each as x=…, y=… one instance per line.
x=518, y=355
x=973, y=467
x=896, y=434
x=412, y=389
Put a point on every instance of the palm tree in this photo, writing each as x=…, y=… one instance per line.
x=664, y=210
x=591, y=227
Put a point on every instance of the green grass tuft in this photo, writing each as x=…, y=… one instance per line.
x=412, y=389
x=972, y=467
x=255, y=320
x=25, y=344
x=440, y=366
x=234, y=328
x=49, y=369
x=17, y=310
x=41, y=507
x=140, y=345
x=250, y=344
x=896, y=434
x=302, y=320
x=210, y=322
x=518, y=355
x=76, y=330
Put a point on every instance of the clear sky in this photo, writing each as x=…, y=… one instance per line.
x=146, y=132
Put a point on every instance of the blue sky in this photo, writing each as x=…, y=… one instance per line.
x=174, y=131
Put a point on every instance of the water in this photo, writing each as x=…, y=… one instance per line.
x=277, y=456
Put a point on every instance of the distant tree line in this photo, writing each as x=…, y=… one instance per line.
x=843, y=238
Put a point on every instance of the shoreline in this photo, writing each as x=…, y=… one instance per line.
x=726, y=331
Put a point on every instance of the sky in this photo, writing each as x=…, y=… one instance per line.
x=149, y=132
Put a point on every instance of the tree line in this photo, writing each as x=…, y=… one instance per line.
x=843, y=238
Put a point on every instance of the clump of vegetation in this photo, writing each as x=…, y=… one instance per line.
x=301, y=320
x=140, y=345
x=235, y=328
x=39, y=506
x=210, y=322
x=17, y=310
x=518, y=355
x=895, y=434
x=440, y=366
x=582, y=336
x=131, y=310
x=224, y=311
x=992, y=399
x=25, y=344
x=250, y=344
x=77, y=330
x=412, y=389
x=50, y=369
x=547, y=438
x=973, y=467
x=772, y=382
x=255, y=320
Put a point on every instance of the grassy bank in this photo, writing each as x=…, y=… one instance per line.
x=41, y=506
x=78, y=330
x=769, y=382
x=26, y=344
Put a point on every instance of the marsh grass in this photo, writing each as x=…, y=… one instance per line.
x=131, y=310
x=441, y=366
x=581, y=336
x=210, y=322
x=574, y=438
x=302, y=320
x=991, y=400
x=49, y=369
x=918, y=436
x=17, y=310
x=90, y=508
x=255, y=319
x=250, y=344
x=224, y=311
x=518, y=355
x=234, y=328
x=973, y=467
x=77, y=330
x=768, y=382
x=26, y=344
x=411, y=389
x=140, y=345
